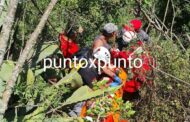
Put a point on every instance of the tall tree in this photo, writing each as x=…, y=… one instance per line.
x=2, y=2
x=29, y=45
x=6, y=30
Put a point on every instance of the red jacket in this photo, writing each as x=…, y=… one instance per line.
x=68, y=48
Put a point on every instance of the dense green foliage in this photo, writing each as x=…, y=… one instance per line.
x=167, y=100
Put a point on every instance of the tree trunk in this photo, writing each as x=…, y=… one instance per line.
x=29, y=45
x=6, y=30
x=2, y=2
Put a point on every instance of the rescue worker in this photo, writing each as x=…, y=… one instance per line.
x=68, y=41
x=126, y=36
x=90, y=74
x=133, y=30
x=109, y=32
x=87, y=75
x=137, y=76
x=137, y=25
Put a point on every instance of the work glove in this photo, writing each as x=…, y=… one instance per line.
x=116, y=81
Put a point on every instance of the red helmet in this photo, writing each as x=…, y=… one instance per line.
x=136, y=24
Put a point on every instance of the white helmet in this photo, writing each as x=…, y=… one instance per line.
x=102, y=53
x=128, y=36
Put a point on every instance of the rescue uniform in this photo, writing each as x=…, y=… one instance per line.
x=68, y=47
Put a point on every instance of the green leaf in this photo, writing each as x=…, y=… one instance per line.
x=130, y=113
x=6, y=70
x=128, y=105
x=30, y=77
x=85, y=93
x=45, y=51
x=63, y=119
x=38, y=71
x=147, y=2
x=38, y=118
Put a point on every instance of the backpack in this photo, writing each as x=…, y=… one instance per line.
x=85, y=52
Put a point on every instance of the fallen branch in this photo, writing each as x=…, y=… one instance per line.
x=29, y=45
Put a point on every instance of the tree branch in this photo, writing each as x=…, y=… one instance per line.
x=29, y=45
x=174, y=15
x=36, y=5
x=166, y=11
x=163, y=72
x=157, y=26
x=2, y=2
x=6, y=30
x=188, y=37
